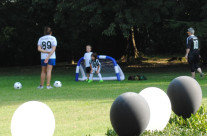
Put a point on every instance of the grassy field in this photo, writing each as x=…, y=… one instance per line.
x=80, y=108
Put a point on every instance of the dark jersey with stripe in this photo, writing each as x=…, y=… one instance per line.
x=193, y=44
x=95, y=63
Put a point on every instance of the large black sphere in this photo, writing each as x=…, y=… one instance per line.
x=129, y=114
x=185, y=95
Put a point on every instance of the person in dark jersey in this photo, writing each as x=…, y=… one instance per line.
x=192, y=53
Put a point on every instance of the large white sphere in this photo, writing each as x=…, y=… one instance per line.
x=160, y=108
x=58, y=84
x=33, y=118
x=17, y=85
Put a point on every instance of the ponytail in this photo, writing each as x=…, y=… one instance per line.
x=47, y=30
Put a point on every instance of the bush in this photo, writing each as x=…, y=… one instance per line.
x=196, y=125
x=195, y=122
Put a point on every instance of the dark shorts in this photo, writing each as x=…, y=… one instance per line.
x=194, y=60
x=50, y=62
x=88, y=70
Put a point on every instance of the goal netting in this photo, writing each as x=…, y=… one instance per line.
x=110, y=70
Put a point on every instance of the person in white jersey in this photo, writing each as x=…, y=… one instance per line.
x=47, y=46
x=87, y=58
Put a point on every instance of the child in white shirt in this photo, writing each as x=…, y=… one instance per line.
x=87, y=58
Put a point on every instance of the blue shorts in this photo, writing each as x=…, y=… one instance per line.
x=50, y=62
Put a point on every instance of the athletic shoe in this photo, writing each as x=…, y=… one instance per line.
x=40, y=87
x=101, y=81
x=89, y=81
x=49, y=87
x=202, y=75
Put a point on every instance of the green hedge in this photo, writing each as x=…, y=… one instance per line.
x=196, y=125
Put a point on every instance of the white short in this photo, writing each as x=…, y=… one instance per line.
x=95, y=69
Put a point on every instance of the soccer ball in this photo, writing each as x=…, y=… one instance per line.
x=58, y=84
x=17, y=85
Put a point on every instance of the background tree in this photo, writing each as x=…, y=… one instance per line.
x=123, y=29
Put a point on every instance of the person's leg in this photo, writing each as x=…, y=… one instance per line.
x=197, y=67
x=192, y=65
x=43, y=75
x=193, y=70
x=193, y=75
x=49, y=74
x=88, y=70
x=100, y=77
x=91, y=76
x=199, y=70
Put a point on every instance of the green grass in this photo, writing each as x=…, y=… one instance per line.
x=80, y=108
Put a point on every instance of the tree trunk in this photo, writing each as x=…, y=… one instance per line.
x=136, y=52
x=127, y=56
x=124, y=58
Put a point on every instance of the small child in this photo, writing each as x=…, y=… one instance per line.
x=87, y=58
x=95, y=66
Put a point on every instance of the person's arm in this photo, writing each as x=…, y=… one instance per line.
x=98, y=69
x=187, y=52
x=50, y=54
x=84, y=60
x=99, y=64
x=188, y=47
x=39, y=48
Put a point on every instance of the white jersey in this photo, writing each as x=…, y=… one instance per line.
x=47, y=42
x=87, y=58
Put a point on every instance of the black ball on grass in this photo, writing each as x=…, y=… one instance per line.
x=129, y=114
x=185, y=95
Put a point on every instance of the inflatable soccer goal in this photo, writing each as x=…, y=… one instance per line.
x=110, y=70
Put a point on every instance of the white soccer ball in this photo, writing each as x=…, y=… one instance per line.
x=17, y=85
x=58, y=84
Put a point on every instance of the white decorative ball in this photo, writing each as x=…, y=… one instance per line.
x=33, y=118
x=160, y=108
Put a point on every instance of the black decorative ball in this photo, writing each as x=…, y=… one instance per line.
x=185, y=95
x=129, y=114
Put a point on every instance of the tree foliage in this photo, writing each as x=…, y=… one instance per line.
x=159, y=27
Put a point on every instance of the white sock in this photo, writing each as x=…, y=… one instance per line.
x=91, y=77
x=100, y=77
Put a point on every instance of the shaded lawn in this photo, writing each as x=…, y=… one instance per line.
x=79, y=108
